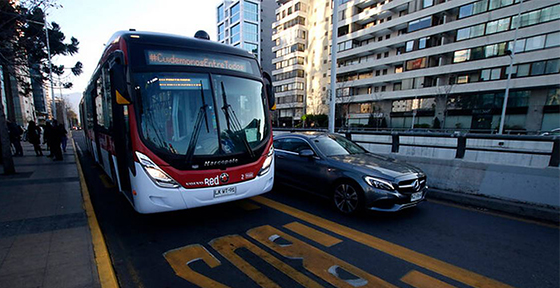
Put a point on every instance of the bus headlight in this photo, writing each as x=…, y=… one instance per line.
x=155, y=173
x=267, y=162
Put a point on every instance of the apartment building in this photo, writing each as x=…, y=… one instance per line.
x=247, y=24
x=445, y=63
x=301, y=49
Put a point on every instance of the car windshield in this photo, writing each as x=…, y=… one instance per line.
x=332, y=145
x=212, y=114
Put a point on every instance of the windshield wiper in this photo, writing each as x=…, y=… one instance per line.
x=232, y=121
x=197, y=125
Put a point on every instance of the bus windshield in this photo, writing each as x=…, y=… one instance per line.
x=201, y=114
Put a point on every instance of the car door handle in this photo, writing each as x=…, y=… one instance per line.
x=280, y=156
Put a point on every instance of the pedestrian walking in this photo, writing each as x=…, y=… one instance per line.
x=64, y=136
x=56, y=141
x=47, y=138
x=15, y=133
x=34, y=137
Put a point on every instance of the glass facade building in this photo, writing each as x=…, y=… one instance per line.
x=247, y=25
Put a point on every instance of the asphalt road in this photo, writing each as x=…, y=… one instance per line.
x=287, y=238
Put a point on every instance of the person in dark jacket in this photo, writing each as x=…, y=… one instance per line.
x=34, y=137
x=15, y=133
x=56, y=139
x=64, y=136
x=47, y=137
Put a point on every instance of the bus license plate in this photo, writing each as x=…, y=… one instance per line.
x=224, y=191
x=415, y=196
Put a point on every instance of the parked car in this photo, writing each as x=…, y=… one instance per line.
x=354, y=179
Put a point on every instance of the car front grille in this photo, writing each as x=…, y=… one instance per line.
x=409, y=186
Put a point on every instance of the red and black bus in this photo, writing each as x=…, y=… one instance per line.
x=180, y=122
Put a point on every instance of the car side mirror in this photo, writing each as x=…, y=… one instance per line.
x=306, y=153
x=119, y=84
x=269, y=91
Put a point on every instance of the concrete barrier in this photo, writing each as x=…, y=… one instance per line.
x=536, y=186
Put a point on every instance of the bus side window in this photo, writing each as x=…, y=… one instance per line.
x=99, y=107
x=107, y=101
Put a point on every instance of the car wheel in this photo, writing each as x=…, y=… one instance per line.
x=347, y=198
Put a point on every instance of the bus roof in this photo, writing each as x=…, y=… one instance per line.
x=144, y=37
x=119, y=38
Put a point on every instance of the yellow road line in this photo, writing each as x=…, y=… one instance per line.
x=247, y=206
x=107, y=276
x=421, y=280
x=419, y=259
x=310, y=233
x=180, y=258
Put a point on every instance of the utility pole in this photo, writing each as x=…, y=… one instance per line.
x=50, y=66
x=334, y=49
x=506, y=96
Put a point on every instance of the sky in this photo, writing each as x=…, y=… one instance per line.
x=93, y=22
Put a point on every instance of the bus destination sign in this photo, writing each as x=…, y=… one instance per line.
x=198, y=60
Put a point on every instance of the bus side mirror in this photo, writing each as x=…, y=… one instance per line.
x=118, y=82
x=269, y=91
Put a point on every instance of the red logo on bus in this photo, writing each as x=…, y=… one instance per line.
x=224, y=177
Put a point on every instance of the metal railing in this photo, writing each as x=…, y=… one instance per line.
x=460, y=148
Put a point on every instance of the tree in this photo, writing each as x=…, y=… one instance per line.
x=23, y=43
x=445, y=90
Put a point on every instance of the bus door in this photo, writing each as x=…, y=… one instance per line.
x=96, y=104
x=121, y=127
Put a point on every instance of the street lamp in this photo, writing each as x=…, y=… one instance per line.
x=50, y=66
x=511, y=56
x=334, y=50
x=46, y=27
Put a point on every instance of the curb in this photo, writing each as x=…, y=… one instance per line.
x=514, y=208
x=107, y=276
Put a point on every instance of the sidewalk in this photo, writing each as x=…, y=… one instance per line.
x=45, y=239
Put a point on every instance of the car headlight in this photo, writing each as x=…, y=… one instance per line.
x=155, y=173
x=267, y=162
x=379, y=183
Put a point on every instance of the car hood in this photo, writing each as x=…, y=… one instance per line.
x=377, y=165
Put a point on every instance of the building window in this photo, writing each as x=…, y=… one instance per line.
x=535, y=43
x=234, y=12
x=552, y=66
x=251, y=11
x=221, y=32
x=523, y=70
x=420, y=24
x=537, y=68
x=461, y=56
x=220, y=13
x=427, y=3
x=552, y=40
x=235, y=35
x=250, y=32
x=409, y=46
x=416, y=64
x=253, y=48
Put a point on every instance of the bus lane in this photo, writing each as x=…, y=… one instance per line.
x=327, y=269
x=276, y=241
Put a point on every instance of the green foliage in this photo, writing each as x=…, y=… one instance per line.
x=23, y=42
x=319, y=120
x=423, y=125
